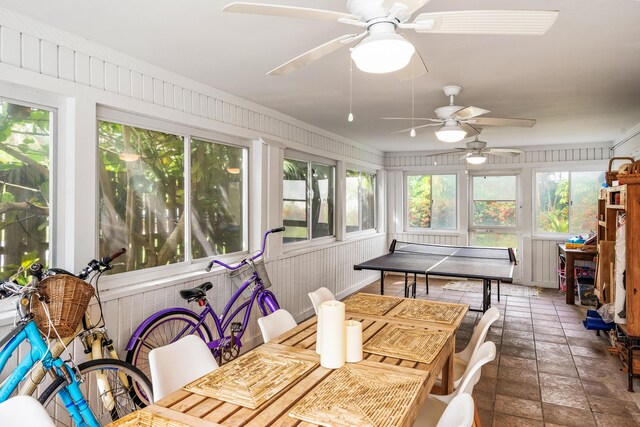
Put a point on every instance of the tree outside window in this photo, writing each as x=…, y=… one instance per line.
x=567, y=202
x=431, y=202
x=360, y=201
x=308, y=200
x=25, y=143
x=142, y=197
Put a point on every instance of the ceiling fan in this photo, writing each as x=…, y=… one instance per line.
x=456, y=123
x=476, y=152
x=380, y=48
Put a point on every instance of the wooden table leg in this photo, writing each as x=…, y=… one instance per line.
x=569, y=266
x=447, y=373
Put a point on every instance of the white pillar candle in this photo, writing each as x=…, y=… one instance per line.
x=354, y=341
x=333, y=351
x=319, y=330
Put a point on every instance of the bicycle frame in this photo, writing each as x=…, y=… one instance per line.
x=71, y=396
x=266, y=300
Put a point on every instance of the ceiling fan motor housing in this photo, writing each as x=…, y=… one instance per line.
x=367, y=9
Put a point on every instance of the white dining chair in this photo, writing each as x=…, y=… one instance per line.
x=277, y=323
x=435, y=405
x=20, y=411
x=459, y=412
x=179, y=363
x=461, y=359
x=319, y=296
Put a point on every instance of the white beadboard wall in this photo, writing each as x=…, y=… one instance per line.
x=532, y=156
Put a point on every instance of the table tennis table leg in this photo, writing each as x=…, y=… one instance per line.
x=426, y=279
x=406, y=283
x=498, y=281
x=382, y=282
x=415, y=284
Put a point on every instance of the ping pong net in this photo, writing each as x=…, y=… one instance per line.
x=453, y=251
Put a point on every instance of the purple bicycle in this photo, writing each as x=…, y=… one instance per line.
x=169, y=325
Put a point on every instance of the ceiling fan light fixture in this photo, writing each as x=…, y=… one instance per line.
x=450, y=133
x=381, y=53
x=476, y=159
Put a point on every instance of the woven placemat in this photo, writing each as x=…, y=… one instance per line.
x=252, y=379
x=407, y=342
x=145, y=419
x=370, y=304
x=440, y=312
x=355, y=397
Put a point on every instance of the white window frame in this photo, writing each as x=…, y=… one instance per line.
x=373, y=229
x=405, y=202
x=496, y=229
x=534, y=183
x=50, y=104
x=189, y=265
x=309, y=159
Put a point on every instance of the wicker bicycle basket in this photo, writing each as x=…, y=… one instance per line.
x=244, y=273
x=66, y=298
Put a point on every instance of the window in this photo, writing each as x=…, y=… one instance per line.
x=567, y=202
x=218, y=195
x=142, y=196
x=360, y=201
x=494, y=219
x=25, y=176
x=494, y=201
x=431, y=202
x=307, y=205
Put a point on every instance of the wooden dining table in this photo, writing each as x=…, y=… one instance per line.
x=378, y=315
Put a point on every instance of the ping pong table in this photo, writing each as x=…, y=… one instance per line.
x=470, y=262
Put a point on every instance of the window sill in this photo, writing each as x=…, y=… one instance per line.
x=301, y=250
x=363, y=233
x=432, y=232
x=562, y=237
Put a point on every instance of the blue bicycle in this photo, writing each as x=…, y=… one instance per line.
x=67, y=397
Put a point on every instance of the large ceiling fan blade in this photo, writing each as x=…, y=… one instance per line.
x=444, y=153
x=465, y=155
x=416, y=128
x=411, y=7
x=313, y=54
x=286, y=11
x=505, y=152
x=415, y=68
x=502, y=121
x=517, y=22
x=439, y=121
x=469, y=112
x=471, y=131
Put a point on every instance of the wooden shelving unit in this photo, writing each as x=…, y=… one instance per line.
x=611, y=200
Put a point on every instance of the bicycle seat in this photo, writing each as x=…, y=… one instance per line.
x=197, y=292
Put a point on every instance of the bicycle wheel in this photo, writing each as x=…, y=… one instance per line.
x=164, y=330
x=106, y=408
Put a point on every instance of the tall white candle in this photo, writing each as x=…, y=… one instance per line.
x=354, y=341
x=319, y=331
x=333, y=335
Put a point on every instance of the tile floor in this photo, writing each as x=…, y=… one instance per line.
x=549, y=370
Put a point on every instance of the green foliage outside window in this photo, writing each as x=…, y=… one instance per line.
x=431, y=201
x=25, y=142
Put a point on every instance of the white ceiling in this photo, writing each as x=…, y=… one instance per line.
x=581, y=81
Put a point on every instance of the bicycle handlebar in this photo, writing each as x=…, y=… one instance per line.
x=244, y=261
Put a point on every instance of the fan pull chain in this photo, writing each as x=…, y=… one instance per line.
x=350, y=116
x=413, y=102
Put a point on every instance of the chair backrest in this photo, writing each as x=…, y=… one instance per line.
x=459, y=412
x=277, y=323
x=479, y=334
x=319, y=296
x=22, y=411
x=485, y=354
x=179, y=363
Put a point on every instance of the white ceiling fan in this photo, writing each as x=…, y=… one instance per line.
x=380, y=48
x=476, y=152
x=456, y=123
